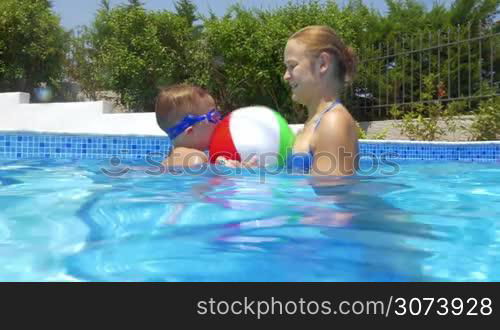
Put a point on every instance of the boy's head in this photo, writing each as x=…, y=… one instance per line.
x=176, y=102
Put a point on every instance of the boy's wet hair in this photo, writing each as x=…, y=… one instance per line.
x=176, y=101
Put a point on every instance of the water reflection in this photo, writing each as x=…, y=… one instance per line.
x=362, y=229
x=68, y=219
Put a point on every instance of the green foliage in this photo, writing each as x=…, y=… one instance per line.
x=408, y=28
x=412, y=17
x=135, y=3
x=486, y=122
x=362, y=135
x=32, y=45
x=186, y=9
x=132, y=52
x=239, y=57
x=380, y=135
x=473, y=12
x=428, y=121
x=105, y=5
x=242, y=53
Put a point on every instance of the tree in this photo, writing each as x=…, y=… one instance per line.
x=32, y=45
x=473, y=12
x=132, y=52
x=105, y=5
x=135, y=3
x=239, y=57
x=241, y=54
x=187, y=10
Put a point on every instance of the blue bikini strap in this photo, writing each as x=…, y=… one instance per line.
x=330, y=107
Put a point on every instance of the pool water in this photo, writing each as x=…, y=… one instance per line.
x=64, y=220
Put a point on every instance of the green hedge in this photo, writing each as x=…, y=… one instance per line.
x=33, y=45
x=238, y=57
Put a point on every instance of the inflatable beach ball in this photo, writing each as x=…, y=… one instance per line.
x=253, y=131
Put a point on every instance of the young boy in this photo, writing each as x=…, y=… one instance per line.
x=188, y=114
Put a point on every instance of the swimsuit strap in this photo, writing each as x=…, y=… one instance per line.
x=330, y=107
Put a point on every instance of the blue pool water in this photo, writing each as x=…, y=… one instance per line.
x=65, y=220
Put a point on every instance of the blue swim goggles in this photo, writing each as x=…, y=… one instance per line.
x=213, y=116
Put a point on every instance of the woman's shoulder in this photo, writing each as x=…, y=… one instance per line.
x=340, y=118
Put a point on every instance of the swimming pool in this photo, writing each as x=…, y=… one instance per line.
x=67, y=218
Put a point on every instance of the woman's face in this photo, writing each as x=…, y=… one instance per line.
x=300, y=72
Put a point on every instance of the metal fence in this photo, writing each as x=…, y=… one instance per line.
x=442, y=66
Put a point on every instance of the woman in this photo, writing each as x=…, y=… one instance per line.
x=318, y=65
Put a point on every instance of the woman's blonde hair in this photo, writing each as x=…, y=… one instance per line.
x=322, y=38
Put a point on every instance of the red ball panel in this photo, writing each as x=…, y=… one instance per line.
x=222, y=144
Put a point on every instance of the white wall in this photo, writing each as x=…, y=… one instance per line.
x=13, y=98
x=17, y=114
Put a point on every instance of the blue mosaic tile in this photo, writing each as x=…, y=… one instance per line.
x=17, y=145
x=431, y=151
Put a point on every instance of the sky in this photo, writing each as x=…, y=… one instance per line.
x=81, y=12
